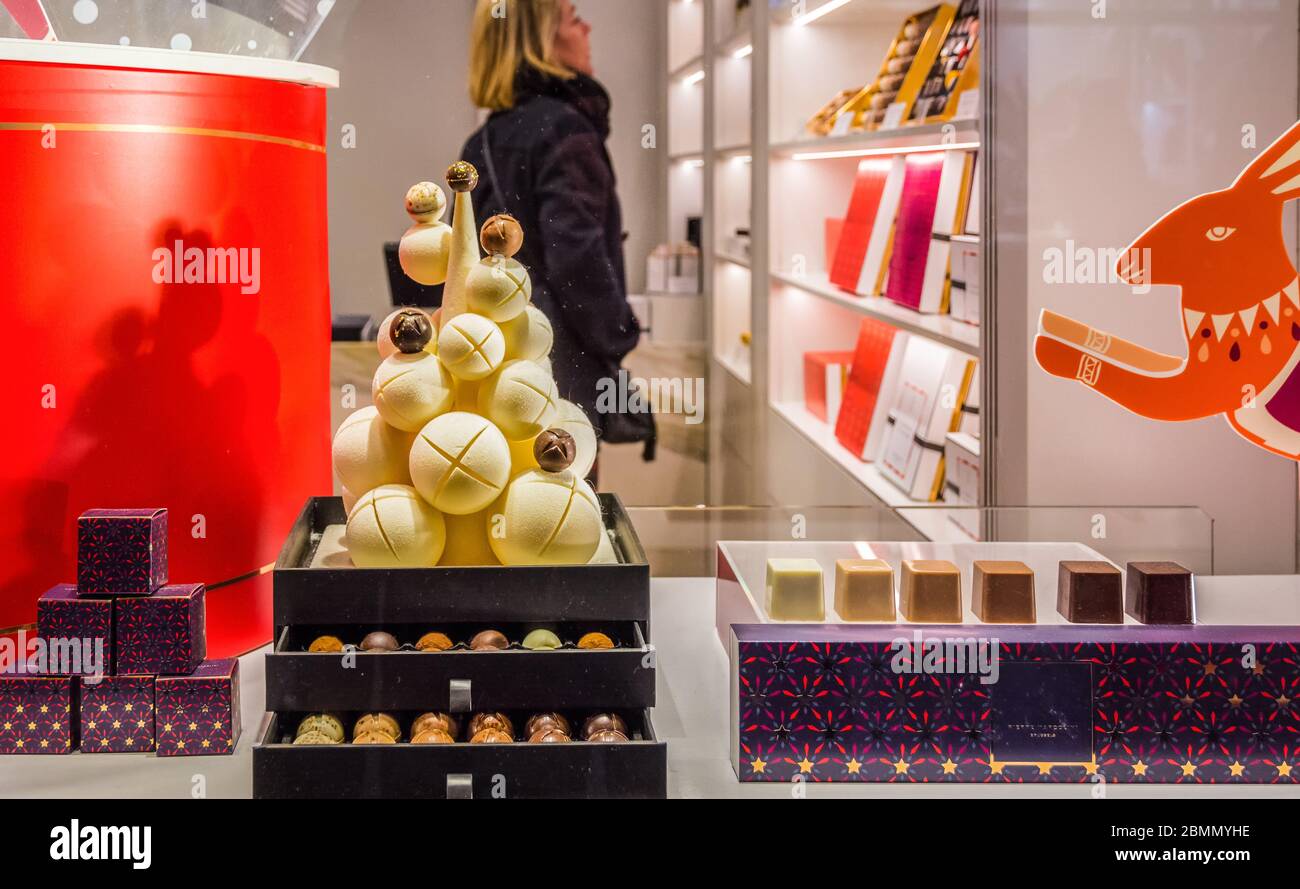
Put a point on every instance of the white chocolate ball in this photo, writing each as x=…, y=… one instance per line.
x=391, y=527
x=368, y=452
x=467, y=540
x=573, y=420
x=410, y=390
x=471, y=346
x=521, y=399
x=384, y=338
x=528, y=335
x=546, y=518
x=424, y=252
x=498, y=288
x=349, y=500
x=460, y=463
x=426, y=201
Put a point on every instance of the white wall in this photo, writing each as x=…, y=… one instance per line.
x=1129, y=116
x=403, y=66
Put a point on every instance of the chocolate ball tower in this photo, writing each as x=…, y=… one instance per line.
x=467, y=455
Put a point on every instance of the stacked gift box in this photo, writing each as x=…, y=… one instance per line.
x=120, y=666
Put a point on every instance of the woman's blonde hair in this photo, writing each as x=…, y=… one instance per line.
x=507, y=34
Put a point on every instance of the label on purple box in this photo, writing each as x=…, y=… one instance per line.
x=1043, y=712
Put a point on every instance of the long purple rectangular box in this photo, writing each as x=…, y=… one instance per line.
x=163, y=633
x=1128, y=704
x=121, y=552
x=198, y=715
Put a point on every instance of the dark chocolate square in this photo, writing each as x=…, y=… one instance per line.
x=1090, y=593
x=1159, y=593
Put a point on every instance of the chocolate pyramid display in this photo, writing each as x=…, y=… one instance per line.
x=468, y=455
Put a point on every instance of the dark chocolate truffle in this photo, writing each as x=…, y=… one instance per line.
x=499, y=721
x=461, y=176
x=607, y=736
x=379, y=641
x=1090, y=593
x=489, y=640
x=410, y=331
x=540, y=721
x=555, y=450
x=602, y=722
x=1159, y=593
x=548, y=736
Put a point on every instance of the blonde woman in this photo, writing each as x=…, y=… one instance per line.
x=541, y=157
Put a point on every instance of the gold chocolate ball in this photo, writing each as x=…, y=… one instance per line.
x=491, y=736
x=434, y=642
x=502, y=234
x=489, y=640
x=425, y=201
x=483, y=721
x=377, y=722
x=461, y=176
x=433, y=736
x=542, y=721
x=326, y=643
x=603, y=722
x=307, y=738
x=374, y=738
x=548, y=736
x=595, y=640
x=323, y=724
x=608, y=736
x=439, y=722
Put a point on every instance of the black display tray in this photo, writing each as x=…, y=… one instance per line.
x=377, y=596
x=460, y=680
x=578, y=770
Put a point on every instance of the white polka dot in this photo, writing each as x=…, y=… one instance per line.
x=124, y=41
x=182, y=42
x=252, y=44
x=85, y=11
x=323, y=7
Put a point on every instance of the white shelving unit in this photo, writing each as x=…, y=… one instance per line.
x=746, y=92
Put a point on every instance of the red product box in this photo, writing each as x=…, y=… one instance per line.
x=198, y=715
x=117, y=715
x=824, y=374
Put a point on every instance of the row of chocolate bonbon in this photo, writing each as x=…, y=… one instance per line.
x=540, y=639
x=435, y=727
x=929, y=591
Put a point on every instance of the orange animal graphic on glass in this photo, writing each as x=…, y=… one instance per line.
x=1240, y=311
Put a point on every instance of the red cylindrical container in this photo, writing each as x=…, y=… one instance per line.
x=164, y=271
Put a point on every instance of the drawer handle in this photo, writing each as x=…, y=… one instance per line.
x=461, y=695
x=460, y=787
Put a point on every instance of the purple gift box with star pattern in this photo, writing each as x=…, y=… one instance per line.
x=121, y=552
x=117, y=715
x=1058, y=704
x=163, y=633
x=80, y=628
x=38, y=714
x=198, y=715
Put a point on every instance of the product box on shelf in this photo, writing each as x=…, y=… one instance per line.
x=636, y=768
x=198, y=714
x=117, y=715
x=81, y=628
x=121, y=552
x=163, y=633
x=37, y=713
x=1050, y=702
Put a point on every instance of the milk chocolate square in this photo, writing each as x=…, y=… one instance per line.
x=1159, y=593
x=931, y=592
x=794, y=590
x=864, y=590
x=1003, y=593
x=1090, y=593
